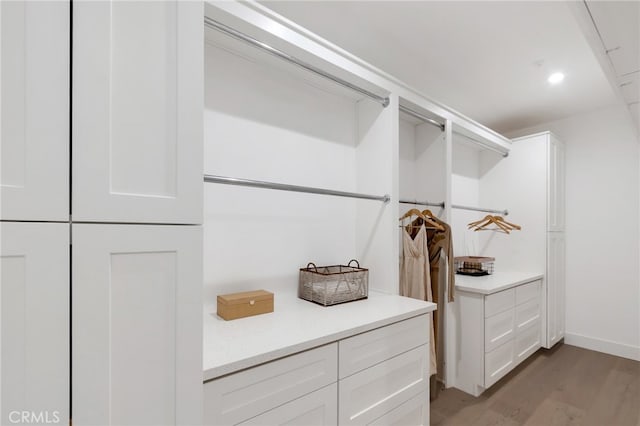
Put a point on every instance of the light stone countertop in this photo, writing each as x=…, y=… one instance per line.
x=295, y=325
x=498, y=281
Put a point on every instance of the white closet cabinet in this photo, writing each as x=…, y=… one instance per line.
x=137, y=325
x=555, y=287
x=376, y=377
x=34, y=321
x=34, y=119
x=137, y=111
x=531, y=184
x=498, y=329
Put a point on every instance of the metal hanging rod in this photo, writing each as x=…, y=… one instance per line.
x=486, y=145
x=211, y=23
x=294, y=188
x=479, y=209
x=421, y=117
x=423, y=203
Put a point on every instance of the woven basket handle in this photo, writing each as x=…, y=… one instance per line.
x=315, y=268
x=354, y=260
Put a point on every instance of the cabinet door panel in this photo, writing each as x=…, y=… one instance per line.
x=240, y=396
x=555, y=287
x=414, y=412
x=34, y=321
x=498, y=363
x=137, y=116
x=137, y=329
x=498, y=329
x=319, y=408
x=527, y=342
x=555, y=185
x=34, y=96
x=366, y=349
x=499, y=302
x=367, y=395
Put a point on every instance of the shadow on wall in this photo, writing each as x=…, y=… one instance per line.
x=239, y=87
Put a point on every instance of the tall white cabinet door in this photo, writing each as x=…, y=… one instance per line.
x=136, y=325
x=555, y=185
x=34, y=111
x=137, y=111
x=555, y=288
x=34, y=322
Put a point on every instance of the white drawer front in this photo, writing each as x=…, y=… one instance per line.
x=499, y=302
x=528, y=291
x=414, y=412
x=527, y=314
x=243, y=395
x=319, y=408
x=367, y=395
x=364, y=350
x=498, y=362
x=498, y=329
x=528, y=341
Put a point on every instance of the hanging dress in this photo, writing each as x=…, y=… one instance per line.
x=415, y=277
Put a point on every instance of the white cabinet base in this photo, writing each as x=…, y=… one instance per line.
x=137, y=329
x=318, y=408
x=497, y=332
x=34, y=321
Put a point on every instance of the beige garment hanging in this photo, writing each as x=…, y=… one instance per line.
x=415, y=277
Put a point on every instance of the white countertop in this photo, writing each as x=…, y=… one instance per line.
x=294, y=326
x=498, y=281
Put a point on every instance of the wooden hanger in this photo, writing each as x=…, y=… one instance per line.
x=502, y=225
x=512, y=225
x=428, y=213
x=427, y=220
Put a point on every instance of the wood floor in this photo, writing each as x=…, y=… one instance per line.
x=563, y=386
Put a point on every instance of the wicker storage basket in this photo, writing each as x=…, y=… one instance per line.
x=474, y=265
x=330, y=285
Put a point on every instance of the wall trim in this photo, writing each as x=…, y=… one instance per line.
x=605, y=346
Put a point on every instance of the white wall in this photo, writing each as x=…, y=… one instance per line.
x=465, y=191
x=602, y=231
x=265, y=123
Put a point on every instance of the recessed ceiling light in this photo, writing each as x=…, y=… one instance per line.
x=555, y=78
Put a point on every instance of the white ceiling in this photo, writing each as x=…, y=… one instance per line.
x=489, y=60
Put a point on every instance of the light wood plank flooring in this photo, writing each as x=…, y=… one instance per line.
x=563, y=386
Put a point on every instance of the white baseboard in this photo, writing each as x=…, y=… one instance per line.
x=606, y=346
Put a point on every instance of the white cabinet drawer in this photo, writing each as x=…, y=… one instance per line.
x=498, y=362
x=499, y=302
x=370, y=348
x=414, y=412
x=243, y=395
x=319, y=408
x=367, y=395
x=528, y=341
x=527, y=314
x=498, y=329
x=527, y=292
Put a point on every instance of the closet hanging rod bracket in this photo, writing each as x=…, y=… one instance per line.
x=294, y=188
x=211, y=23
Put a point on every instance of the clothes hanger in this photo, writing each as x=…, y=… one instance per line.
x=503, y=225
x=481, y=225
x=512, y=225
x=478, y=222
x=426, y=219
x=428, y=213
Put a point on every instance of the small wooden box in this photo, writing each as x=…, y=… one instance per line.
x=239, y=305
